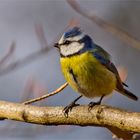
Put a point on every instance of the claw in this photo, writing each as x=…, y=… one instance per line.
x=92, y=104
x=68, y=108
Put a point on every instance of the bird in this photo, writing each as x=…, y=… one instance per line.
x=88, y=68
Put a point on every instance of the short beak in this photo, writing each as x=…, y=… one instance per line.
x=56, y=45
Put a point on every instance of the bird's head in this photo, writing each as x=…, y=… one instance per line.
x=73, y=42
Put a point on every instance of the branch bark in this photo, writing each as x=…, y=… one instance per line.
x=104, y=116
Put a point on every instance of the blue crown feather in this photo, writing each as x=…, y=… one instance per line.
x=72, y=32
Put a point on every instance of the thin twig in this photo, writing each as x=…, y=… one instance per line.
x=31, y=57
x=27, y=90
x=24, y=61
x=44, y=49
x=47, y=95
x=8, y=54
x=41, y=35
x=125, y=37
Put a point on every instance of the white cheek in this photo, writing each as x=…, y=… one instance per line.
x=71, y=49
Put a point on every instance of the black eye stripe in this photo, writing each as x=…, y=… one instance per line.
x=67, y=42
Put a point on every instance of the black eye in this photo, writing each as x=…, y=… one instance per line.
x=67, y=42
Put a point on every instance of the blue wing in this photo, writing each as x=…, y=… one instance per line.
x=105, y=59
x=100, y=54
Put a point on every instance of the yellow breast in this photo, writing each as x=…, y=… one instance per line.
x=92, y=78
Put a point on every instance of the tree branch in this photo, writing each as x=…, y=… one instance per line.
x=124, y=36
x=24, y=61
x=8, y=54
x=45, y=48
x=104, y=116
x=47, y=95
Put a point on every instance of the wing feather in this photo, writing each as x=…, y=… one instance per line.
x=104, y=59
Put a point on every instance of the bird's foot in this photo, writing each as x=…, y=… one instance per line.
x=68, y=108
x=92, y=104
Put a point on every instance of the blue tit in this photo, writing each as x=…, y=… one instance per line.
x=88, y=68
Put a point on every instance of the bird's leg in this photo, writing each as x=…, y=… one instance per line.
x=92, y=104
x=68, y=108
